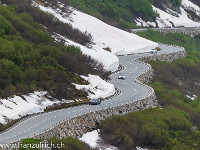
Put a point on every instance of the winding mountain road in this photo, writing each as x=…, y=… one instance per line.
x=131, y=91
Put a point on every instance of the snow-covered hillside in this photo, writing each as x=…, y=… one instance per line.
x=188, y=16
x=19, y=106
x=104, y=36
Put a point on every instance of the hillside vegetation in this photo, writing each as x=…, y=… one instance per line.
x=152, y=127
x=172, y=4
x=179, y=39
x=172, y=82
x=30, y=60
x=49, y=21
x=121, y=13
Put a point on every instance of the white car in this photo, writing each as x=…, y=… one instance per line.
x=121, y=76
x=153, y=51
x=121, y=53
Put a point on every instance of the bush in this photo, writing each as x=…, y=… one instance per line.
x=178, y=39
x=150, y=127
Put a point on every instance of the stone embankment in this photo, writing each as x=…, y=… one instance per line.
x=165, y=57
x=79, y=125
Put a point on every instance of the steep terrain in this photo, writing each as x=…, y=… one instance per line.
x=177, y=13
x=147, y=13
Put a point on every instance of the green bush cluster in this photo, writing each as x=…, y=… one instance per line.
x=173, y=4
x=30, y=60
x=176, y=3
x=122, y=12
x=179, y=39
x=25, y=10
x=152, y=127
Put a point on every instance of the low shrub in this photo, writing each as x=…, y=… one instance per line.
x=151, y=127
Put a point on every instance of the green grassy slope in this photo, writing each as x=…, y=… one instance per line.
x=121, y=13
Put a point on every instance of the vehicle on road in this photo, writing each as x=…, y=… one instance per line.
x=94, y=101
x=121, y=76
x=153, y=51
x=121, y=53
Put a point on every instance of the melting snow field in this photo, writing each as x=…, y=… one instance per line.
x=97, y=88
x=189, y=5
x=181, y=19
x=166, y=18
x=104, y=36
x=19, y=106
x=94, y=141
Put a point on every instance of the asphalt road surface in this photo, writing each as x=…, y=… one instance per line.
x=131, y=91
x=156, y=29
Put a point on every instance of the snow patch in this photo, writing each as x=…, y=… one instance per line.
x=94, y=141
x=19, y=106
x=170, y=17
x=91, y=138
x=191, y=6
x=165, y=19
x=193, y=97
x=140, y=22
x=97, y=88
x=139, y=148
